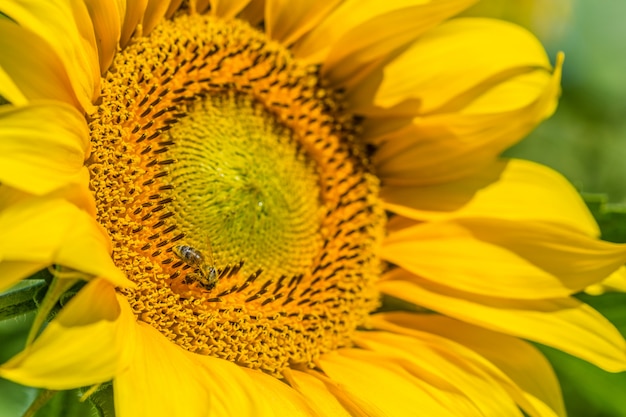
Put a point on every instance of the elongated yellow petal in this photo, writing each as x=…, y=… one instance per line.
x=363, y=47
x=162, y=380
x=218, y=387
x=351, y=14
x=283, y=400
x=519, y=360
x=9, y=90
x=564, y=323
x=66, y=27
x=444, y=66
x=173, y=7
x=318, y=396
x=287, y=21
x=199, y=6
x=616, y=282
x=107, y=18
x=457, y=376
x=507, y=189
x=39, y=74
x=135, y=10
x=444, y=147
x=44, y=145
x=239, y=391
x=155, y=12
x=254, y=12
x=381, y=387
x=501, y=258
x=50, y=230
x=89, y=342
x=227, y=8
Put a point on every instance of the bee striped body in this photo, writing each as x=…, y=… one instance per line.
x=205, y=273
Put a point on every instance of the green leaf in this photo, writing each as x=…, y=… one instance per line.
x=66, y=404
x=21, y=299
x=610, y=217
x=588, y=390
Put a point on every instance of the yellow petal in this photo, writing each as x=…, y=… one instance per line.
x=457, y=376
x=287, y=21
x=351, y=14
x=318, y=396
x=616, y=282
x=199, y=6
x=519, y=360
x=239, y=391
x=66, y=27
x=283, y=400
x=89, y=342
x=135, y=10
x=381, y=387
x=364, y=47
x=175, y=382
x=43, y=147
x=155, y=12
x=511, y=189
x=39, y=74
x=162, y=380
x=563, y=323
x=254, y=12
x=446, y=63
x=50, y=230
x=173, y=8
x=227, y=9
x=500, y=258
x=444, y=147
x=107, y=18
x=9, y=90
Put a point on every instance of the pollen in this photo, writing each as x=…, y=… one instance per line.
x=236, y=194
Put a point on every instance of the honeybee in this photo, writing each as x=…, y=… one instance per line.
x=205, y=273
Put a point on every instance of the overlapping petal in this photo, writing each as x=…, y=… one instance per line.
x=49, y=154
x=287, y=21
x=227, y=8
x=502, y=258
x=356, y=372
x=354, y=16
x=456, y=375
x=319, y=396
x=154, y=13
x=443, y=71
x=362, y=49
x=458, y=144
x=38, y=232
x=161, y=370
x=10, y=91
x=39, y=74
x=134, y=14
x=197, y=385
x=91, y=341
x=532, y=383
x=67, y=29
x=510, y=189
x=107, y=18
x=563, y=323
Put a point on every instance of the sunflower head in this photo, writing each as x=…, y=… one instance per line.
x=240, y=183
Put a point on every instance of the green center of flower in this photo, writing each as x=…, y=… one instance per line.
x=236, y=195
x=244, y=186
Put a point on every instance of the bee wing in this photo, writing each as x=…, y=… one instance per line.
x=209, y=251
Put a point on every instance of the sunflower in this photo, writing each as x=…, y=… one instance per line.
x=292, y=208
